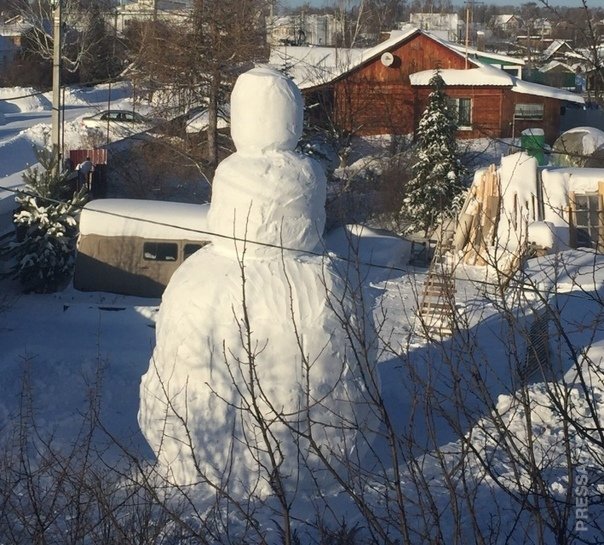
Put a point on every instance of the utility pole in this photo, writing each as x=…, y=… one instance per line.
x=468, y=3
x=469, y=22
x=56, y=81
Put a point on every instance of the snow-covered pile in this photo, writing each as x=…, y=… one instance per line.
x=250, y=357
x=22, y=99
x=360, y=244
x=105, y=95
x=574, y=147
x=200, y=121
x=141, y=218
x=518, y=176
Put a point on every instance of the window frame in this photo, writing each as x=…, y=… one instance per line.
x=454, y=104
x=588, y=218
x=160, y=256
x=528, y=107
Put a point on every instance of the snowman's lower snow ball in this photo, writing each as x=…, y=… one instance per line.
x=253, y=370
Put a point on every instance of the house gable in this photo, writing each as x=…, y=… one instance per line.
x=418, y=52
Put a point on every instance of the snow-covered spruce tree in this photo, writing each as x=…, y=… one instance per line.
x=46, y=219
x=438, y=172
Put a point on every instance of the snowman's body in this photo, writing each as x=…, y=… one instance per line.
x=251, y=355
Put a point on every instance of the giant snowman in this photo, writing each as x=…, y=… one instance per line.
x=252, y=359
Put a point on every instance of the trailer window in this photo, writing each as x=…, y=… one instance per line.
x=190, y=249
x=160, y=251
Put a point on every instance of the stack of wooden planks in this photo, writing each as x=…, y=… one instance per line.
x=477, y=225
x=492, y=228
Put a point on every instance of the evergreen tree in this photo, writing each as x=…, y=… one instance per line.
x=438, y=172
x=46, y=218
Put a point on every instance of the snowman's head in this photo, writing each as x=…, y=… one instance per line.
x=266, y=112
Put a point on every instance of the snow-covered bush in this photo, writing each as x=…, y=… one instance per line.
x=438, y=171
x=46, y=223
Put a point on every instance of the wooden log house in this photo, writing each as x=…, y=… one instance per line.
x=377, y=92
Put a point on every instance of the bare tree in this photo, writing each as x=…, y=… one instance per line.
x=85, y=39
x=194, y=62
x=584, y=25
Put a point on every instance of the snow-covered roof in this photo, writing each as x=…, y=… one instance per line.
x=482, y=76
x=314, y=66
x=311, y=66
x=553, y=47
x=281, y=21
x=141, y=218
x=529, y=88
x=504, y=19
x=553, y=65
x=486, y=75
x=579, y=179
x=14, y=26
x=504, y=59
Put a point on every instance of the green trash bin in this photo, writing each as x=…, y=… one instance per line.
x=533, y=142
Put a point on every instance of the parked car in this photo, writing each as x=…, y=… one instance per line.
x=122, y=120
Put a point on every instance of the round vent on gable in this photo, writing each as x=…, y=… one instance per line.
x=387, y=58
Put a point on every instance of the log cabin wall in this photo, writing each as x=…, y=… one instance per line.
x=486, y=110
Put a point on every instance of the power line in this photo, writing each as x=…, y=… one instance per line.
x=197, y=231
x=355, y=262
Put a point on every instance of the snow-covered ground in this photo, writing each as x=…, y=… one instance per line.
x=460, y=427
x=26, y=125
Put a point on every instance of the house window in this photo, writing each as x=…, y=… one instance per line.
x=160, y=251
x=463, y=110
x=588, y=224
x=528, y=111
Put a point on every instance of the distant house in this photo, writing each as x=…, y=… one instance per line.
x=283, y=30
x=146, y=10
x=384, y=90
x=559, y=74
x=541, y=26
x=11, y=32
x=558, y=50
x=507, y=23
x=8, y=50
x=446, y=26
x=511, y=65
x=304, y=29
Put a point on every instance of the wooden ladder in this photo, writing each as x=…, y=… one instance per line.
x=437, y=304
